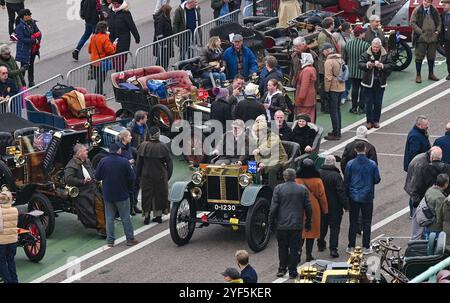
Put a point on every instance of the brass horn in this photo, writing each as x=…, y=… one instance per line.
x=20, y=160
x=72, y=191
x=95, y=138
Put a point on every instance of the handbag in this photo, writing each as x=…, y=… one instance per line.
x=60, y=89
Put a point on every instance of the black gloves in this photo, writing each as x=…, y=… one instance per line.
x=308, y=226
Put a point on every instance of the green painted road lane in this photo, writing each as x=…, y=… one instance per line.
x=71, y=239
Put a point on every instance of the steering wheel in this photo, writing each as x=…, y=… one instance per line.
x=388, y=246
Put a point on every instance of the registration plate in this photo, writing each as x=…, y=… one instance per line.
x=226, y=207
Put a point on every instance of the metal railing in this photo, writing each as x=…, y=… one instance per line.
x=430, y=274
x=268, y=8
x=202, y=32
x=166, y=51
x=16, y=104
x=93, y=75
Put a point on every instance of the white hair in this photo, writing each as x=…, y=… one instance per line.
x=376, y=41
x=299, y=41
x=4, y=48
x=374, y=18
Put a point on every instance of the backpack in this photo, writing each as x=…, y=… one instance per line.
x=343, y=73
x=425, y=215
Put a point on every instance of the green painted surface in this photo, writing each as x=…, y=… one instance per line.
x=71, y=239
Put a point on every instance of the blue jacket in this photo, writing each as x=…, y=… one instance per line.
x=444, y=143
x=24, y=42
x=361, y=175
x=416, y=143
x=249, y=62
x=249, y=275
x=118, y=177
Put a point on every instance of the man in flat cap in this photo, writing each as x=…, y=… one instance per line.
x=239, y=59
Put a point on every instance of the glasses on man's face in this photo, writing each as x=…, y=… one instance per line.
x=4, y=73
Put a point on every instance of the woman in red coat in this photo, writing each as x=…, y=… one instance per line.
x=310, y=177
x=305, y=96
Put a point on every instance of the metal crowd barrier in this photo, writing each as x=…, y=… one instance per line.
x=16, y=104
x=268, y=8
x=166, y=51
x=95, y=76
x=201, y=33
x=430, y=274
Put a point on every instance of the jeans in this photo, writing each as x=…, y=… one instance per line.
x=348, y=87
x=374, y=102
x=123, y=207
x=13, y=9
x=334, y=222
x=7, y=263
x=288, y=248
x=216, y=75
x=334, y=100
x=366, y=209
x=357, y=94
x=88, y=30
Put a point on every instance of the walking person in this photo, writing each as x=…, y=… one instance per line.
x=154, y=168
x=100, y=47
x=13, y=7
x=353, y=51
x=305, y=94
x=426, y=24
x=444, y=143
x=334, y=88
x=248, y=273
x=163, y=29
x=187, y=17
x=223, y=7
x=90, y=12
x=121, y=26
x=337, y=203
x=308, y=176
x=417, y=142
x=445, y=33
x=361, y=175
x=28, y=42
x=106, y=10
x=290, y=203
x=8, y=238
x=377, y=65
x=117, y=178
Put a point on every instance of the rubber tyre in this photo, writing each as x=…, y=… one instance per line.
x=6, y=177
x=39, y=201
x=406, y=53
x=257, y=230
x=175, y=219
x=96, y=159
x=155, y=120
x=34, y=252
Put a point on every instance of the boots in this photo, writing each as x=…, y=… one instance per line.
x=418, y=69
x=433, y=77
x=418, y=78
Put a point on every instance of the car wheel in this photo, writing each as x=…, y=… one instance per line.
x=96, y=159
x=39, y=201
x=35, y=243
x=161, y=116
x=182, y=221
x=257, y=225
x=402, y=56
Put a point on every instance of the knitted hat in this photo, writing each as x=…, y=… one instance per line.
x=231, y=272
x=220, y=93
x=361, y=132
x=358, y=30
x=305, y=117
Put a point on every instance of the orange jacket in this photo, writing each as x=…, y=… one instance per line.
x=101, y=47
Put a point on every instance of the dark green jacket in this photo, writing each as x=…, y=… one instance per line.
x=14, y=71
x=435, y=198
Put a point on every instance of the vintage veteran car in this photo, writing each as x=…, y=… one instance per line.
x=230, y=195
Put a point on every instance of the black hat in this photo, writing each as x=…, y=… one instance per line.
x=153, y=130
x=305, y=117
x=24, y=12
x=113, y=148
x=118, y=1
x=231, y=272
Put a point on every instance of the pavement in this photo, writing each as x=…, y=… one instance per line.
x=75, y=254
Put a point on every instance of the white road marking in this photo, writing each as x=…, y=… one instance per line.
x=391, y=120
x=392, y=134
x=114, y=258
x=385, y=123
x=389, y=155
x=345, y=129
x=92, y=254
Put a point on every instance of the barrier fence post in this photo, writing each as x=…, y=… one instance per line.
x=93, y=75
